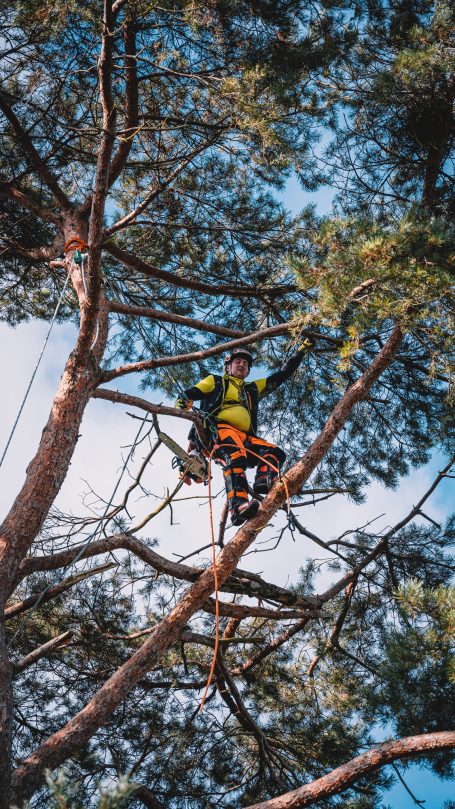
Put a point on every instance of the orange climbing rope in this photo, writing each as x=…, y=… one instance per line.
x=215, y=578
x=75, y=243
x=275, y=469
x=215, y=572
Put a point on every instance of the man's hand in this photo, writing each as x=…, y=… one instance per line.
x=183, y=404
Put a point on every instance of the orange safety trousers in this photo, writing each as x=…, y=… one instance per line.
x=235, y=451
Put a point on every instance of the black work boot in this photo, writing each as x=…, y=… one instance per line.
x=245, y=511
x=264, y=482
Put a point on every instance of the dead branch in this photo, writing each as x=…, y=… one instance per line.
x=381, y=547
x=354, y=293
x=274, y=645
x=337, y=627
x=53, y=592
x=42, y=651
x=160, y=507
x=231, y=696
x=136, y=482
x=244, y=611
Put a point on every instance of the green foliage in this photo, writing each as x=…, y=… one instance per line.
x=200, y=84
x=395, y=140
x=408, y=268
x=417, y=691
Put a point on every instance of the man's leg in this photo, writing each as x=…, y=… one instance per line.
x=271, y=459
x=230, y=453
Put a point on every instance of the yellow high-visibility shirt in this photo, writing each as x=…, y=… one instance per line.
x=233, y=410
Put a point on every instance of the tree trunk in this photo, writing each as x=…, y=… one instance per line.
x=44, y=479
x=6, y=720
x=47, y=470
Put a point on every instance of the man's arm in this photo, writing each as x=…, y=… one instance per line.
x=272, y=382
x=196, y=392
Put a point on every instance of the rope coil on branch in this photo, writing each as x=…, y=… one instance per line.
x=75, y=243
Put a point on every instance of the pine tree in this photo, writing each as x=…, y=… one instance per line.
x=140, y=149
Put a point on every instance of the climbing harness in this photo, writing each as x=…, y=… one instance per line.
x=56, y=311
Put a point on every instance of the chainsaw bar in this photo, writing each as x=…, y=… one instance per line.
x=193, y=463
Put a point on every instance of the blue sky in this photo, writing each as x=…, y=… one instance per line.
x=424, y=785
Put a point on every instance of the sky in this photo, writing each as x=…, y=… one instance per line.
x=106, y=433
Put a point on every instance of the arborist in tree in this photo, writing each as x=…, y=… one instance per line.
x=229, y=409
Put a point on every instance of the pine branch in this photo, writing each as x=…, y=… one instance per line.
x=15, y=194
x=42, y=253
x=37, y=162
x=136, y=401
x=169, y=317
x=238, y=583
x=53, y=592
x=198, y=356
x=42, y=651
x=131, y=97
x=238, y=291
x=342, y=777
x=157, y=190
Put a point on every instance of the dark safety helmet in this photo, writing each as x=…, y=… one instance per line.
x=239, y=352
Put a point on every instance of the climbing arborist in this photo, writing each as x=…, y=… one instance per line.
x=229, y=409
